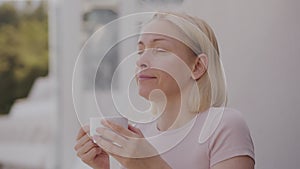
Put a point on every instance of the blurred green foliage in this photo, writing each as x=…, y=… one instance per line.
x=23, y=50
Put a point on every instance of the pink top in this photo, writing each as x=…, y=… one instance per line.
x=198, y=146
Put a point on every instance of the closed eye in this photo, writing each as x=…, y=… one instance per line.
x=160, y=50
x=155, y=50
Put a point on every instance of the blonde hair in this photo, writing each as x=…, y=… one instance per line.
x=200, y=38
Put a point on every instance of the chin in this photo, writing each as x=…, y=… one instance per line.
x=144, y=93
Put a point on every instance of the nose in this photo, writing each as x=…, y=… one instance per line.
x=143, y=60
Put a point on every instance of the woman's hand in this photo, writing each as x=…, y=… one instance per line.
x=128, y=147
x=89, y=152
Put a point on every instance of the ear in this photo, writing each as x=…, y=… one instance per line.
x=200, y=66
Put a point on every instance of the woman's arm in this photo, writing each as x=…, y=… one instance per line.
x=239, y=162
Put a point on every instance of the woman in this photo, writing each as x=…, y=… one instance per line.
x=180, y=73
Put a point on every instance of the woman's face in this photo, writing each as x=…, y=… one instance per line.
x=164, y=63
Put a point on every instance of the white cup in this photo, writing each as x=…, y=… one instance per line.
x=95, y=122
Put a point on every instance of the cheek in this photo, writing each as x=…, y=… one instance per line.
x=168, y=84
x=174, y=73
x=171, y=71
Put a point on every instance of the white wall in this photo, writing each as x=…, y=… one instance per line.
x=259, y=42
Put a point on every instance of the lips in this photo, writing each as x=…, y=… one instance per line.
x=145, y=77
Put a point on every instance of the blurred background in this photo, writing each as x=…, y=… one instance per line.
x=41, y=40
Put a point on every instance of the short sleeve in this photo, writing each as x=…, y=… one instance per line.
x=231, y=138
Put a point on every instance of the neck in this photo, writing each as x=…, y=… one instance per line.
x=175, y=113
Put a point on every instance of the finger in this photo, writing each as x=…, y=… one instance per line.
x=82, y=141
x=118, y=129
x=86, y=148
x=83, y=130
x=110, y=135
x=135, y=130
x=90, y=155
x=107, y=145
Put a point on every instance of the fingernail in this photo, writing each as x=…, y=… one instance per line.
x=95, y=138
x=86, y=128
x=99, y=130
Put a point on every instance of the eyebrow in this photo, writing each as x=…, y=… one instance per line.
x=153, y=41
